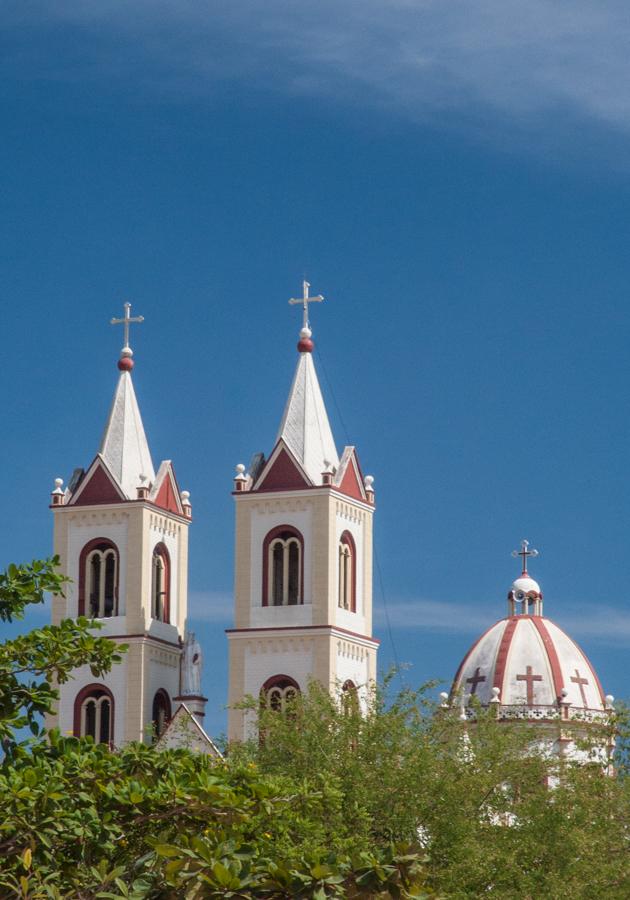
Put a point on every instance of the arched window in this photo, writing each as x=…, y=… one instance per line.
x=98, y=579
x=278, y=691
x=283, y=567
x=161, y=713
x=347, y=597
x=349, y=697
x=94, y=714
x=160, y=584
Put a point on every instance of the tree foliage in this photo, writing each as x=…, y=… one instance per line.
x=404, y=801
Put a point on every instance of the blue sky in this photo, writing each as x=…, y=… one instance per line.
x=456, y=184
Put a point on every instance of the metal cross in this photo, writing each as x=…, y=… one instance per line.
x=126, y=321
x=581, y=681
x=476, y=679
x=524, y=552
x=530, y=678
x=305, y=300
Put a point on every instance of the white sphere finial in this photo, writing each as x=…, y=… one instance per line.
x=186, y=498
x=496, y=695
x=609, y=701
x=369, y=482
x=58, y=482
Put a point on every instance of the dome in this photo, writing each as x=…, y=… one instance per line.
x=531, y=661
x=526, y=659
x=525, y=584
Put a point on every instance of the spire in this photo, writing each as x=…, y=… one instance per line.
x=305, y=427
x=124, y=445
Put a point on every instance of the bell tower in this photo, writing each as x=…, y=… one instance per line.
x=121, y=532
x=303, y=558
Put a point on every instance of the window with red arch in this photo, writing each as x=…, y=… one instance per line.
x=283, y=567
x=347, y=581
x=161, y=714
x=94, y=714
x=349, y=697
x=278, y=692
x=161, y=584
x=98, y=579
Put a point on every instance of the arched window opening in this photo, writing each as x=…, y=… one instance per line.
x=278, y=692
x=161, y=713
x=349, y=698
x=98, y=579
x=283, y=567
x=160, y=584
x=94, y=714
x=347, y=567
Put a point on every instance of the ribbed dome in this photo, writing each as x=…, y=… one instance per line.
x=531, y=661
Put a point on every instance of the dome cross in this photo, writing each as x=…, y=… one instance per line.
x=305, y=300
x=524, y=553
x=126, y=321
x=529, y=678
x=580, y=681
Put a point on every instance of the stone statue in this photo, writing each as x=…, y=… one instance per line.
x=191, y=666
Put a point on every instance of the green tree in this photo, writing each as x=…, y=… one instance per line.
x=32, y=664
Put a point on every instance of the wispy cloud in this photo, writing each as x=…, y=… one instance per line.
x=473, y=63
x=211, y=606
x=592, y=622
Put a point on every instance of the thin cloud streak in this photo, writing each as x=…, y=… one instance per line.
x=495, y=59
x=211, y=606
x=593, y=622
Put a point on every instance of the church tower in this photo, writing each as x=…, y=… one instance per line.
x=303, y=559
x=121, y=532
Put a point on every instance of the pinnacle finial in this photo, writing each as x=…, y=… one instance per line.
x=306, y=344
x=524, y=553
x=125, y=363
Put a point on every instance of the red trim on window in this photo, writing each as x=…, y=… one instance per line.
x=163, y=551
x=87, y=549
x=161, y=697
x=269, y=537
x=83, y=695
x=346, y=538
x=279, y=681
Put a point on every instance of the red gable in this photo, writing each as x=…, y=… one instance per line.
x=166, y=497
x=283, y=475
x=98, y=488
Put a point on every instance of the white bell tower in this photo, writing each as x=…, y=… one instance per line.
x=121, y=532
x=303, y=558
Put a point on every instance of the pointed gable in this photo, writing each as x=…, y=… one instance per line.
x=124, y=445
x=305, y=428
x=165, y=492
x=184, y=731
x=282, y=472
x=349, y=479
x=97, y=486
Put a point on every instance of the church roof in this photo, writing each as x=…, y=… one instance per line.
x=527, y=660
x=305, y=428
x=124, y=446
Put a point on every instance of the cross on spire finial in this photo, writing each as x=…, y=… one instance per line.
x=525, y=552
x=305, y=300
x=125, y=363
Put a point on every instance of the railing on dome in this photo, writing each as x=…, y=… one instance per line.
x=543, y=713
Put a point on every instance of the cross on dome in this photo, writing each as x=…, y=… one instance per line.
x=125, y=363
x=524, y=552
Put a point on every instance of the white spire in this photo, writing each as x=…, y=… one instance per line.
x=124, y=445
x=305, y=427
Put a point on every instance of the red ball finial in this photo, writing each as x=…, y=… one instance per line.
x=305, y=345
x=125, y=364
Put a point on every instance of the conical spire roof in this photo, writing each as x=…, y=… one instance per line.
x=305, y=427
x=124, y=445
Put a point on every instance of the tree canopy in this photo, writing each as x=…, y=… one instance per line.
x=402, y=801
